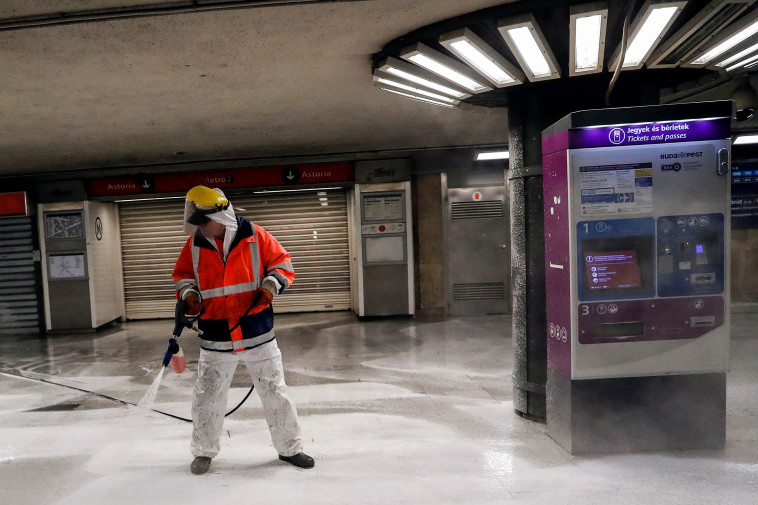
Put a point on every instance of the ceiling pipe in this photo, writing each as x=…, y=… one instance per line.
x=148, y=10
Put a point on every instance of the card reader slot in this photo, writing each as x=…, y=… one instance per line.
x=707, y=278
x=620, y=330
x=702, y=321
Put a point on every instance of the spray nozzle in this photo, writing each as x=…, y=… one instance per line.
x=175, y=356
x=173, y=348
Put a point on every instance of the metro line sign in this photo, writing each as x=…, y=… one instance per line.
x=290, y=175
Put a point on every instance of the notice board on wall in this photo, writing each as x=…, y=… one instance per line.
x=745, y=195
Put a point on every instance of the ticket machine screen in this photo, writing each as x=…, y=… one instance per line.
x=612, y=270
x=616, y=266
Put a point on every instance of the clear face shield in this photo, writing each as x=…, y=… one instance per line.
x=194, y=215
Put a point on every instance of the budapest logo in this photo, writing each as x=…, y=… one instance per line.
x=682, y=154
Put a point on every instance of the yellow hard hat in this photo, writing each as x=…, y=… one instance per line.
x=205, y=201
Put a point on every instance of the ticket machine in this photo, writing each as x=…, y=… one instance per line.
x=385, y=284
x=81, y=268
x=637, y=204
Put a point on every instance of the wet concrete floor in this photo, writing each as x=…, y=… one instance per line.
x=395, y=411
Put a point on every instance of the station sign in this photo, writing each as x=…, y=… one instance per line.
x=288, y=175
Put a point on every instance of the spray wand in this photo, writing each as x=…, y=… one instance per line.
x=174, y=354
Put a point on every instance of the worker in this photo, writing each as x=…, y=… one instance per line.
x=227, y=274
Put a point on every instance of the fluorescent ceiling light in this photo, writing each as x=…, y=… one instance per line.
x=587, y=42
x=525, y=40
x=416, y=75
x=737, y=56
x=493, y=155
x=745, y=139
x=646, y=30
x=415, y=90
x=696, y=32
x=741, y=30
x=652, y=30
x=413, y=96
x=742, y=63
x=587, y=50
x=482, y=57
x=444, y=66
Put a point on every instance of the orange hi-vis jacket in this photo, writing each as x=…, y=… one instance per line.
x=226, y=288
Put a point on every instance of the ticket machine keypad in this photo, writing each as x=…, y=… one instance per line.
x=690, y=255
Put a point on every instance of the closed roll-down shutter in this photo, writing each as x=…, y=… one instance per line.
x=312, y=226
x=19, y=309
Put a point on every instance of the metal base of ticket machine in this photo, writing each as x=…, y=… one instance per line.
x=81, y=268
x=637, y=213
x=385, y=255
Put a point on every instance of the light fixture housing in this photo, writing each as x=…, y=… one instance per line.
x=411, y=74
x=696, y=32
x=501, y=154
x=738, y=55
x=645, y=32
x=446, y=67
x=744, y=63
x=588, y=23
x=745, y=139
x=397, y=84
x=727, y=39
x=482, y=57
x=529, y=46
x=414, y=96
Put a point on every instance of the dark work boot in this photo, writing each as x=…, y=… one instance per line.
x=300, y=459
x=200, y=465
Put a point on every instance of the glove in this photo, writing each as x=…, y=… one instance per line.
x=262, y=297
x=192, y=306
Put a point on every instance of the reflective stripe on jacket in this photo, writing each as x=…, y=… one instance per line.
x=226, y=289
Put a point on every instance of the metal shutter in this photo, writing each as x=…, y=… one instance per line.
x=19, y=310
x=315, y=235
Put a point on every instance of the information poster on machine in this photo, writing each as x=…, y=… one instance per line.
x=625, y=188
x=67, y=266
x=383, y=208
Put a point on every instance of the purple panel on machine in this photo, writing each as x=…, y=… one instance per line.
x=555, y=142
x=557, y=267
x=649, y=319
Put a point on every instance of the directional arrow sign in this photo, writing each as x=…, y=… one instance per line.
x=290, y=175
x=146, y=184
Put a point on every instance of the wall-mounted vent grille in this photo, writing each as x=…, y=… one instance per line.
x=477, y=210
x=481, y=291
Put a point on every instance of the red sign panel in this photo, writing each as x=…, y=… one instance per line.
x=291, y=175
x=13, y=204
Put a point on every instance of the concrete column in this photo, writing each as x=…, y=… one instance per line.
x=527, y=261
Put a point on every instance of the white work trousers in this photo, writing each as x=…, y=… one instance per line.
x=209, y=398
